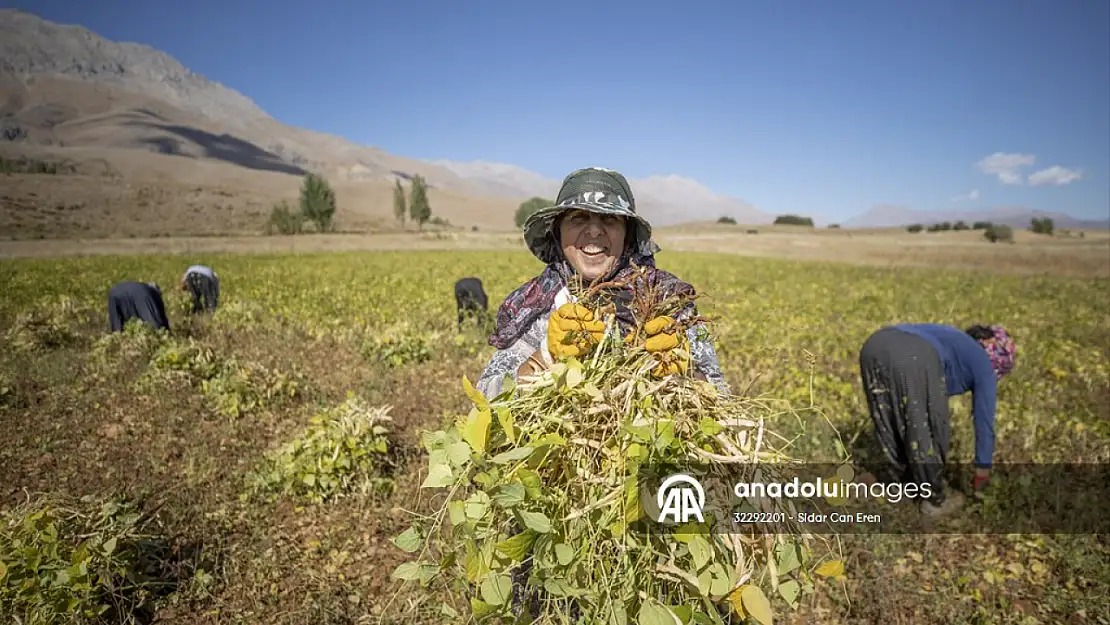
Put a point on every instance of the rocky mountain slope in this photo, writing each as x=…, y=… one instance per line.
x=65, y=86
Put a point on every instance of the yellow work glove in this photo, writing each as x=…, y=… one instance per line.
x=573, y=331
x=662, y=343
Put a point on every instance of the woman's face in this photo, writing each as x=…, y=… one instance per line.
x=592, y=243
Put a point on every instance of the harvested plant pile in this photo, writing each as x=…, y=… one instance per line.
x=86, y=561
x=343, y=450
x=51, y=323
x=545, y=490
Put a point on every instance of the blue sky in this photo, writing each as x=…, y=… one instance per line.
x=809, y=106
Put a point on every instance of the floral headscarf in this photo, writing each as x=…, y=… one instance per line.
x=1001, y=350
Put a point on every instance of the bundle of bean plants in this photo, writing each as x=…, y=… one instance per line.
x=541, y=506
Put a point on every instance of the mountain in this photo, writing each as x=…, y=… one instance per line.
x=888, y=216
x=665, y=200
x=501, y=179
x=64, y=87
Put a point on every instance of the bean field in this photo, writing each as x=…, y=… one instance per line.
x=195, y=441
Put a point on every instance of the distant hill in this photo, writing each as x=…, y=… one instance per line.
x=66, y=87
x=887, y=216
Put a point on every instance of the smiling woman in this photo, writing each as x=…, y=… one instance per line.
x=592, y=234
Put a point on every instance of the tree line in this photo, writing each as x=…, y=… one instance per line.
x=316, y=205
x=991, y=231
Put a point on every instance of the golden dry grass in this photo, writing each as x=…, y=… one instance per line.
x=1030, y=254
x=1088, y=257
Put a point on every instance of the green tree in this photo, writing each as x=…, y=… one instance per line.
x=399, y=203
x=793, y=220
x=960, y=225
x=915, y=228
x=318, y=202
x=420, y=210
x=1043, y=225
x=527, y=207
x=981, y=225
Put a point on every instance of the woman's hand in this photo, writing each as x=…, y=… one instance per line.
x=662, y=340
x=573, y=331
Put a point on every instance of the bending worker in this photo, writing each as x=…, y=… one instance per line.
x=909, y=371
x=203, y=284
x=136, y=300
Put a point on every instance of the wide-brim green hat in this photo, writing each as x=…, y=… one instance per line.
x=593, y=189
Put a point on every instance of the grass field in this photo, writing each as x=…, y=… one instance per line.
x=183, y=424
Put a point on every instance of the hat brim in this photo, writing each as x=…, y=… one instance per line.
x=539, y=227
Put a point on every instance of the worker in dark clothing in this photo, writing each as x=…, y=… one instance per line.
x=141, y=300
x=203, y=284
x=909, y=371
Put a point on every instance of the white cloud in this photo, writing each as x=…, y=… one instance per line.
x=1005, y=166
x=970, y=195
x=1054, y=176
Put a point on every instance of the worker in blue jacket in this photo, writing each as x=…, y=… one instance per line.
x=909, y=371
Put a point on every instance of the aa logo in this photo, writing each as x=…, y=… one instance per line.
x=680, y=497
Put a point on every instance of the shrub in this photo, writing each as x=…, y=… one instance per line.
x=915, y=228
x=981, y=225
x=726, y=220
x=834, y=226
x=793, y=220
x=343, y=450
x=960, y=225
x=33, y=166
x=284, y=220
x=997, y=233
